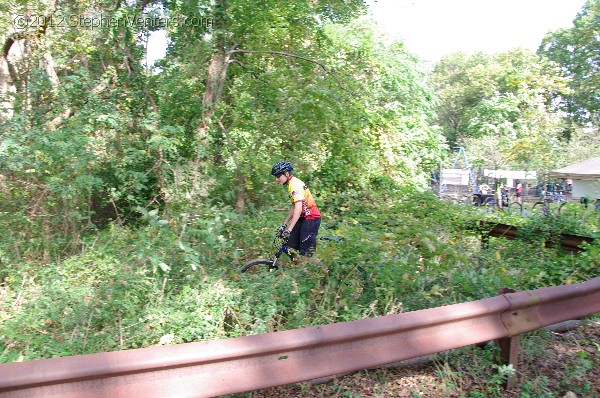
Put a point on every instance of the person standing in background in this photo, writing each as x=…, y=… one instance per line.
x=519, y=192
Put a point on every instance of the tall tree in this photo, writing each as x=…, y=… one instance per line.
x=521, y=112
x=577, y=51
x=510, y=99
x=461, y=82
x=288, y=83
x=260, y=40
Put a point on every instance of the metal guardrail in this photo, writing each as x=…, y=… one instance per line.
x=567, y=242
x=218, y=367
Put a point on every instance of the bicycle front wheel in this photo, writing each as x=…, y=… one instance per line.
x=258, y=265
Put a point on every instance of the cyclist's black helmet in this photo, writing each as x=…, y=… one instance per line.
x=280, y=168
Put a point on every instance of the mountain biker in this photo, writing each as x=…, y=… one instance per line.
x=302, y=223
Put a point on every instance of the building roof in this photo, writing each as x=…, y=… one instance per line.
x=586, y=170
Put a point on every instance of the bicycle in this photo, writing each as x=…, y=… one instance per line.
x=581, y=210
x=350, y=281
x=511, y=204
x=543, y=206
x=490, y=203
x=272, y=264
x=515, y=208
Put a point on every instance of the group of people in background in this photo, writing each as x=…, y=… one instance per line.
x=555, y=186
x=501, y=190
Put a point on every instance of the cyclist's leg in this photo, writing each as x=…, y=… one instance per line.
x=295, y=235
x=308, y=233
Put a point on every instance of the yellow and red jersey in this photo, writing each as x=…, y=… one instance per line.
x=300, y=192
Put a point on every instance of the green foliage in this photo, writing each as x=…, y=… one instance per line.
x=82, y=305
x=500, y=108
x=574, y=49
x=460, y=83
x=477, y=368
x=174, y=277
x=130, y=200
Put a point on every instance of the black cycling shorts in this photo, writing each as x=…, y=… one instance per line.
x=304, y=236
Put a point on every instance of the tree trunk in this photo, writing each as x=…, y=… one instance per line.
x=17, y=52
x=240, y=204
x=7, y=90
x=213, y=92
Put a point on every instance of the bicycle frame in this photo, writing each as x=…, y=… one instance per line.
x=282, y=249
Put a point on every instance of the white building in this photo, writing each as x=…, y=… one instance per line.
x=511, y=175
x=585, y=177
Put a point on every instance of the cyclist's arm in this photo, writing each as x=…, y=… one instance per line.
x=293, y=215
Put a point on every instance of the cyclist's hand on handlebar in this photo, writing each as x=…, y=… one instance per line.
x=285, y=234
x=280, y=230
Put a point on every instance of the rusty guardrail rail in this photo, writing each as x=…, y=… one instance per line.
x=568, y=242
x=219, y=367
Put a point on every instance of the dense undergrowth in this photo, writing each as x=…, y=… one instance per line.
x=177, y=280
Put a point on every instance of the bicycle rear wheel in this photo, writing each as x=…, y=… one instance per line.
x=515, y=208
x=258, y=265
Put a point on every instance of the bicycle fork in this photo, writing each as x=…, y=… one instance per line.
x=283, y=249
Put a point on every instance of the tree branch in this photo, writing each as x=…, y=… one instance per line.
x=286, y=54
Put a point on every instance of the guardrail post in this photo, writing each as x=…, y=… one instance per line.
x=509, y=351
